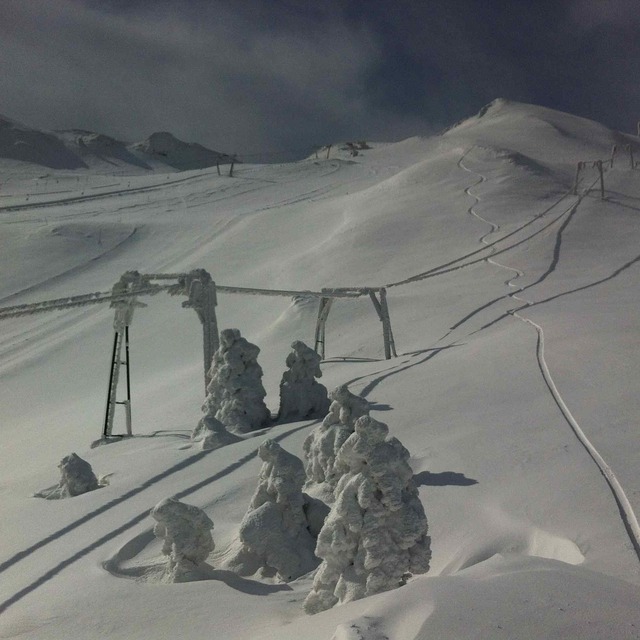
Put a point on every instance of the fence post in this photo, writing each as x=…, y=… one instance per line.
x=633, y=164
x=601, y=172
x=218, y=166
x=328, y=150
x=577, y=179
x=614, y=150
x=233, y=161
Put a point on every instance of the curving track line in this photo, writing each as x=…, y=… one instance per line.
x=447, y=267
x=627, y=513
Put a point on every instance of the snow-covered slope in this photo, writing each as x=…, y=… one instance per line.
x=80, y=149
x=514, y=309
x=166, y=149
x=22, y=143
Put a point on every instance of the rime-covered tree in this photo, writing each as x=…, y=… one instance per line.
x=376, y=533
x=324, y=442
x=76, y=477
x=235, y=395
x=274, y=537
x=301, y=396
x=186, y=534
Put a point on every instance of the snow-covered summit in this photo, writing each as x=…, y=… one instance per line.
x=22, y=143
x=509, y=124
x=83, y=149
x=164, y=147
x=100, y=151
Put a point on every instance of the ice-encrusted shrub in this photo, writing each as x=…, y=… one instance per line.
x=186, y=534
x=211, y=433
x=235, y=395
x=323, y=443
x=76, y=477
x=274, y=536
x=376, y=533
x=301, y=396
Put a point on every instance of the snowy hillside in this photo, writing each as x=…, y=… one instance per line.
x=514, y=307
x=80, y=149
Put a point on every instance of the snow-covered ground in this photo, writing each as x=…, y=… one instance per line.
x=515, y=313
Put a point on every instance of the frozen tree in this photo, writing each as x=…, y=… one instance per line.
x=376, y=533
x=274, y=535
x=186, y=534
x=324, y=442
x=301, y=396
x=76, y=477
x=212, y=434
x=235, y=395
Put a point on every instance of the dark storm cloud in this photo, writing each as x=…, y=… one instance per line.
x=207, y=74
x=280, y=74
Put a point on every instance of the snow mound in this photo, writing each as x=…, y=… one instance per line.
x=76, y=478
x=181, y=155
x=274, y=535
x=376, y=533
x=186, y=534
x=301, y=396
x=212, y=434
x=534, y=542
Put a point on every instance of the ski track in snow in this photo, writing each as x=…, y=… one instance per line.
x=627, y=513
x=130, y=523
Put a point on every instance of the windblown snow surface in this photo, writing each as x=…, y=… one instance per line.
x=515, y=312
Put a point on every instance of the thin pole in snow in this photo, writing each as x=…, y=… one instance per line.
x=601, y=172
x=128, y=404
x=108, y=411
x=577, y=179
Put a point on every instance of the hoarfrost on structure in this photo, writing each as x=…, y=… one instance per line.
x=186, y=534
x=235, y=395
x=274, y=535
x=76, y=478
x=301, y=396
x=323, y=443
x=376, y=533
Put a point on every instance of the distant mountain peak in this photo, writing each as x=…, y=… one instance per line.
x=177, y=153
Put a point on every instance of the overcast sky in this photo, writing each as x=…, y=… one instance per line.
x=253, y=76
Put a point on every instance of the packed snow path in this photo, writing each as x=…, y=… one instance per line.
x=627, y=513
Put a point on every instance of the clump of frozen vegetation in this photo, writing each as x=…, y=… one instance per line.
x=235, y=395
x=211, y=433
x=76, y=478
x=324, y=442
x=301, y=396
x=274, y=537
x=375, y=536
x=187, y=541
